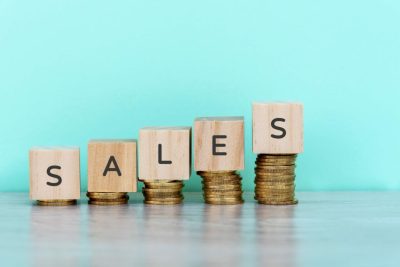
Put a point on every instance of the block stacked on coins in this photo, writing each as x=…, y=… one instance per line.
x=277, y=139
x=219, y=155
x=111, y=171
x=164, y=163
x=54, y=175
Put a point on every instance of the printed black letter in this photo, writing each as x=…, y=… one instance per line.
x=215, y=145
x=160, y=160
x=115, y=168
x=54, y=175
x=283, y=134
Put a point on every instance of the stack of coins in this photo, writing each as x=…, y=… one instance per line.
x=56, y=202
x=162, y=192
x=274, y=180
x=222, y=187
x=107, y=198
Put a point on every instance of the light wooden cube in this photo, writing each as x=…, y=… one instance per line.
x=277, y=128
x=54, y=173
x=219, y=143
x=165, y=153
x=112, y=166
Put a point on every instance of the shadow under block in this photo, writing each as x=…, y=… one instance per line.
x=165, y=153
x=112, y=166
x=54, y=173
x=277, y=128
x=219, y=143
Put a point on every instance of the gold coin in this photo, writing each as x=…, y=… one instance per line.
x=112, y=195
x=162, y=196
x=275, y=198
x=56, y=202
x=277, y=156
x=207, y=185
x=282, y=179
x=216, y=173
x=163, y=183
x=223, y=188
x=105, y=203
x=175, y=187
x=166, y=198
x=121, y=199
x=271, y=184
x=217, y=190
x=274, y=174
x=275, y=163
x=224, y=202
x=222, y=178
x=276, y=186
x=160, y=190
x=275, y=168
x=222, y=194
x=290, y=202
x=222, y=181
x=163, y=202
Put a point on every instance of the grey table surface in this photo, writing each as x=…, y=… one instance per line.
x=324, y=229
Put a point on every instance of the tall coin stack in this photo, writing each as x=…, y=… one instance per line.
x=222, y=187
x=107, y=198
x=277, y=139
x=162, y=192
x=275, y=175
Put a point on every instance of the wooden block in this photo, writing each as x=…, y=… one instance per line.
x=165, y=153
x=277, y=128
x=219, y=143
x=112, y=166
x=54, y=173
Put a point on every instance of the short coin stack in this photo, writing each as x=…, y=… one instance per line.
x=107, y=198
x=275, y=175
x=162, y=192
x=222, y=187
x=56, y=202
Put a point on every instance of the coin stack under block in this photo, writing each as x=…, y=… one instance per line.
x=105, y=198
x=219, y=154
x=162, y=192
x=277, y=139
x=222, y=187
x=164, y=162
x=275, y=175
x=56, y=202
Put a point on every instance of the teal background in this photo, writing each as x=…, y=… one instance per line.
x=74, y=70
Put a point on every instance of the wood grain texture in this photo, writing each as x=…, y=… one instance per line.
x=40, y=159
x=125, y=156
x=175, y=147
x=263, y=116
x=233, y=130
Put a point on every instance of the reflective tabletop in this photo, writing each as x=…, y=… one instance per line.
x=324, y=229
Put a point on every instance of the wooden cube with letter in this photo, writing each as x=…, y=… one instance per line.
x=277, y=128
x=219, y=154
x=164, y=162
x=54, y=175
x=112, y=171
x=164, y=153
x=219, y=143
